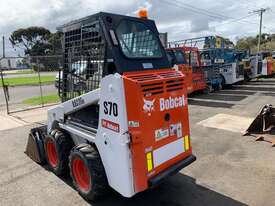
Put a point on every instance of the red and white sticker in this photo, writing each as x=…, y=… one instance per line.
x=110, y=125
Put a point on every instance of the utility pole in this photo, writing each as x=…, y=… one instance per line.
x=3, y=38
x=260, y=12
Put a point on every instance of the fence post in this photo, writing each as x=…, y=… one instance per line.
x=4, y=90
x=39, y=78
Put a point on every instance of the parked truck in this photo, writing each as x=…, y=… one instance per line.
x=219, y=58
x=204, y=77
x=263, y=63
x=228, y=62
x=198, y=71
x=177, y=60
x=186, y=59
x=267, y=62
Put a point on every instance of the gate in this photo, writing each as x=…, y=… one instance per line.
x=29, y=82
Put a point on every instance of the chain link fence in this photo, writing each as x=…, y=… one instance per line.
x=29, y=82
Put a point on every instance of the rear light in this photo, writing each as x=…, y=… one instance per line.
x=186, y=143
x=149, y=158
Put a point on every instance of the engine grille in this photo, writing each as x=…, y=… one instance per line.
x=157, y=83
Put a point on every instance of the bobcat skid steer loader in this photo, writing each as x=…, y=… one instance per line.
x=128, y=128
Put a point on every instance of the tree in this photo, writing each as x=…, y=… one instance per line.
x=55, y=43
x=38, y=41
x=34, y=40
x=243, y=44
x=250, y=43
x=228, y=42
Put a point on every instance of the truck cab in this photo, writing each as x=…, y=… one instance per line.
x=187, y=60
x=177, y=58
x=198, y=75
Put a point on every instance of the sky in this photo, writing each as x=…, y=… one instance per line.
x=180, y=18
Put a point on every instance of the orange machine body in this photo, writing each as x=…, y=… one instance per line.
x=270, y=64
x=189, y=78
x=195, y=77
x=158, y=122
x=198, y=76
x=186, y=70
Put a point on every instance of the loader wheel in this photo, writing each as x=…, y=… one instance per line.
x=87, y=172
x=57, y=149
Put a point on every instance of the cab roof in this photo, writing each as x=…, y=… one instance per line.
x=91, y=18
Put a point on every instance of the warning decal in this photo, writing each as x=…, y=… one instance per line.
x=110, y=125
x=161, y=133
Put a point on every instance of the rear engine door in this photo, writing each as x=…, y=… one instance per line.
x=158, y=122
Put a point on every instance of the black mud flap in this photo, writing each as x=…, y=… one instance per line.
x=35, y=144
x=171, y=170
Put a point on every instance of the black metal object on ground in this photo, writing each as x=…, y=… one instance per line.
x=35, y=145
x=263, y=125
x=264, y=122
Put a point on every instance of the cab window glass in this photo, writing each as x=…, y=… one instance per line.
x=171, y=57
x=180, y=57
x=137, y=40
x=194, y=58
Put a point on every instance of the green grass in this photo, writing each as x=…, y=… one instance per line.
x=23, y=71
x=52, y=98
x=19, y=81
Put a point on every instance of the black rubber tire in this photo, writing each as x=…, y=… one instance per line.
x=207, y=90
x=99, y=183
x=222, y=85
x=63, y=145
x=216, y=88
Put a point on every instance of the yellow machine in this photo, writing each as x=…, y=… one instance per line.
x=247, y=68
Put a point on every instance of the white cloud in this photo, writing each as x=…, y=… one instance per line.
x=173, y=17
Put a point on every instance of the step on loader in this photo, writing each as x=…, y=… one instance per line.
x=263, y=126
x=127, y=126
